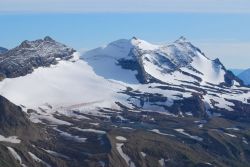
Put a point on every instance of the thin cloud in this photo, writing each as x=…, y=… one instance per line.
x=125, y=6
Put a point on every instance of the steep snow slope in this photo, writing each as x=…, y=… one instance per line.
x=104, y=61
x=128, y=60
x=65, y=84
x=167, y=74
x=245, y=76
x=168, y=78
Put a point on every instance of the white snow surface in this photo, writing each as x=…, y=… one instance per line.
x=10, y=139
x=62, y=85
x=121, y=138
x=34, y=157
x=231, y=135
x=82, y=85
x=56, y=154
x=143, y=154
x=160, y=133
x=177, y=64
x=69, y=136
x=182, y=131
x=104, y=61
x=162, y=162
x=101, y=132
x=154, y=61
x=16, y=156
x=123, y=155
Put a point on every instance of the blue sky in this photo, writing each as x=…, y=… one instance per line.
x=220, y=30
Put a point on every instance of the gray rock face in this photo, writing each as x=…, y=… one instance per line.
x=3, y=50
x=29, y=55
x=11, y=115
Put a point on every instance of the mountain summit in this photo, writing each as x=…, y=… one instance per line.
x=127, y=73
x=32, y=54
x=129, y=103
x=136, y=60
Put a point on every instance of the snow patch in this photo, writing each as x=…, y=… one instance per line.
x=11, y=139
x=71, y=137
x=182, y=131
x=162, y=162
x=160, y=133
x=127, y=159
x=34, y=157
x=91, y=131
x=143, y=154
x=121, y=138
x=231, y=135
x=56, y=154
x=16, y=156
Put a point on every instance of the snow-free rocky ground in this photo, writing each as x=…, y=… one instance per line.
x=130, y=103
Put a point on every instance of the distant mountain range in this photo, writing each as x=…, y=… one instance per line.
x=129, y=103
x=242, y=74
x=3, y=50
x=236, y=71
x=245, y=76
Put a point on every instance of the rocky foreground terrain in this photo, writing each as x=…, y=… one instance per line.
x=128, y=104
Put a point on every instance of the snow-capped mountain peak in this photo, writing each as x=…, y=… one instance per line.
x=140, y=60
x=128, y=72
x=182, y=39
x=143, y=45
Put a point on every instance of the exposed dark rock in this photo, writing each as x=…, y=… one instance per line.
x=13, y=121
x=29, y=55
x=229, y=77
x=193, y=104
x=11, y=115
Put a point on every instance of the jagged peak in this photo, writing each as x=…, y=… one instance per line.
x=144, y=45
x=182, y=39
x=48, y=38
x=217, y=61
x=25, y=44
x=134, y=38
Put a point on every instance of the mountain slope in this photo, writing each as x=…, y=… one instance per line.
x=161, y=77
x=23, y=143
x=66, y=83
x=29, y=55
x=176, y=79
x=139, y=59
x=162, y=105
x=55, y=84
